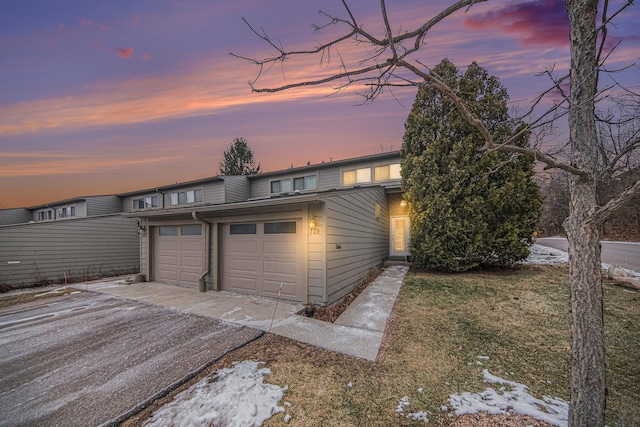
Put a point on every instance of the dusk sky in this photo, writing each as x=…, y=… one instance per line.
x=105, y=97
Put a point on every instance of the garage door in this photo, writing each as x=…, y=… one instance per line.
x=259, y=256
x=177, y=255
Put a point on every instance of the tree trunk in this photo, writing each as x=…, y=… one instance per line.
x=587, y=406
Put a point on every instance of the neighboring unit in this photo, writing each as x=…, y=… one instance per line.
x=308, y=234
x=79, y=238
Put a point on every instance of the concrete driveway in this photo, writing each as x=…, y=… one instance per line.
x=85, y=359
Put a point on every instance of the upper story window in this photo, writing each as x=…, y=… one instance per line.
x=145, y=202
x=301, y=183
x=45, y=215
x=371, y=174
x=67, y=212
x=386, y=172
x=186, y=197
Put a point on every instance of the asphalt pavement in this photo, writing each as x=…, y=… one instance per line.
x=86, y=359
x=624, y=254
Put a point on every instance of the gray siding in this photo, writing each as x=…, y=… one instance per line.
x=260, y=187
x=356, y=239
x=15, y=216
x=317, y=272
x=82, y=210
x=41, y=252
x=212, y=192
x=329, y=178
x=103, y=205
x=237, y=189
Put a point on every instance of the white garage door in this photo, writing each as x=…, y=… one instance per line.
x=177, y=255
x=257, y=257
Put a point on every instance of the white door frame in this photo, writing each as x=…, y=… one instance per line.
x=393, y=250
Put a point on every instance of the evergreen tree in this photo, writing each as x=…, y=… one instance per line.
x=238, y=159
x=469, y=209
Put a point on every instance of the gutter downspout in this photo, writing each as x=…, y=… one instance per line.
x=201, y=282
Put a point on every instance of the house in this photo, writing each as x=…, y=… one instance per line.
x=73, y=239
x=80, y=207
x=307, y=234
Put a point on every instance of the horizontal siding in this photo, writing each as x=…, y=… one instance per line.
x=356, y=240
x=15, y=216
x=236, y=189
x=98, y=246
x=81, y=210
x=213, y=192
x=260, y=187
x=103, y=205
x=329, y=178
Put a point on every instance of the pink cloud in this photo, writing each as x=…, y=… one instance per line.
x=536, y=22
x=136, y=20
x=146, y=57
x=85, y=22
x=126, y=52
x=88, y=23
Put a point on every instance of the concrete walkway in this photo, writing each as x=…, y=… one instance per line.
x=357, y=332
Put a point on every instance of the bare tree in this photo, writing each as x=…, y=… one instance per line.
x=391, y=63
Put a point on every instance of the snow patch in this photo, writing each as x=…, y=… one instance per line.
x=231, y=397
x=543, y=255
x=514, y=398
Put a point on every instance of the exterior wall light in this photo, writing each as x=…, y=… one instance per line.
x=312, y=223
x=403, y=203
x=141, y=229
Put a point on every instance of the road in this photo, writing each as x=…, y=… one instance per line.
x=624, y=254
x=86, y=359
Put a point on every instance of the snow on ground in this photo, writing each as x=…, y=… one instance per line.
x=543, y=255
x=511, y=398
x=238, y=396
x=231, y=397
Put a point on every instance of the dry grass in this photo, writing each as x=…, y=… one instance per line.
x=21, y=298
x=440, y=325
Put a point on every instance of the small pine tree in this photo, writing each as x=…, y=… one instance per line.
x=468, y=209
x=238, y=159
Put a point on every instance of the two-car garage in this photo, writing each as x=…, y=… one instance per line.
x=256, y=257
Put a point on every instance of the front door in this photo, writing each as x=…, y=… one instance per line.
x=399, y=236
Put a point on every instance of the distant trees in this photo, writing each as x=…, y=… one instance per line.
x=238, y=159
x=468, y=209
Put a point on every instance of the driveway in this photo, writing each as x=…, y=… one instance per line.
x=85, y=359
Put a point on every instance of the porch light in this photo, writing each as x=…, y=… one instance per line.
x=403, y=203
x=141, y=229
x=312, y=223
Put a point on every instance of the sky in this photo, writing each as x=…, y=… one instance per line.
x=111, y=96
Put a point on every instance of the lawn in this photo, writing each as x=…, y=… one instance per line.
x=444, y=331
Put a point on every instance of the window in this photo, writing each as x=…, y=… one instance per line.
x=386, y=172
x=45, y=215
x=186, y=197
x=242, y=229
x=145, y=202
x=394, y=171
x=168, y=231
x=191, y=230
x=288, y=227
x=67, y=212
x=304, y=183
x=281, y=186
x=356, y=176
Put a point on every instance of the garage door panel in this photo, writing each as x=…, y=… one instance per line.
x=177, y=259
x=167, y=244
x=190, y=261
x=242, y=246
x=283, y=267
x=241, y=284
x=258, y=263
x=276, y=248
x=272, y=287
x=234, y=265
